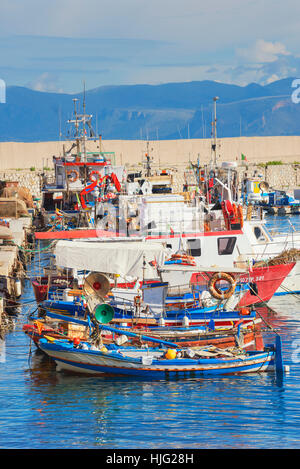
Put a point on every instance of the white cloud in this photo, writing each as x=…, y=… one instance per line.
x=263, y=51
x=46, y=82
x=272, y=78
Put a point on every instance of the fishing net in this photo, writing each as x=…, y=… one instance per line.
x=287, y=256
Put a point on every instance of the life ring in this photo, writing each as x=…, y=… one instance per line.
x=215, y=291
x=182, y=259
x=181, y=256
x=95, y=179
x=72, y=178
x=107, y=197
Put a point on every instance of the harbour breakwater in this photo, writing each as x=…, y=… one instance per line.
x=285, y=176
x=257, y=150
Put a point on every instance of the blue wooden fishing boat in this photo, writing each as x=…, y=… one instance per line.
x=159, y=363
x=154, y=305
x=242, y=336
x=189, y=316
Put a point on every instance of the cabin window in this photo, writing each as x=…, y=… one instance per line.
x=258, y=233
x=169, y=246
x=226, y=245
x=194, y=247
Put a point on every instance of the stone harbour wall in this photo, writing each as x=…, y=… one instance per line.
x=282, y=177
x=25, y=178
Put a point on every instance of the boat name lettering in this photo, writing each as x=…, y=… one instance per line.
x=251, y=279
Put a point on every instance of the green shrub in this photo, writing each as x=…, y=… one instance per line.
x=271, y=163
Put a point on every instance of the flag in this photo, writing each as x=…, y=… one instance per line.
x=244, y=157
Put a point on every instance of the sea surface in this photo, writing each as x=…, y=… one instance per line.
x=41, y=408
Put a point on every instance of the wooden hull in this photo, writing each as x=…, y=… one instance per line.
x=196, y=317
x=100, y=363
x=225, y=339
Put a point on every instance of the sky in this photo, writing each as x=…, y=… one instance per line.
x=57, y=45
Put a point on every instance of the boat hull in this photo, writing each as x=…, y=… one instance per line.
x=98, y=363
x=267, y=279
x=225, y=339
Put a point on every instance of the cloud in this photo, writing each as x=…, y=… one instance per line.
x=265, y=62
x=46, y=82
x=113, y=42
x=263, y=51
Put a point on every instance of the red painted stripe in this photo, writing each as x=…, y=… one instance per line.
x=92, y=233
x=104, y=163
x=76, y=234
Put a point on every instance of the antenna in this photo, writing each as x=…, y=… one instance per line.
x=83, y=104
x=59, y=122
x=76, y=117
x=214, y=131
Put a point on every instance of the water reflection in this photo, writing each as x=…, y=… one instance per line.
x=133, y=413
x=43, y=408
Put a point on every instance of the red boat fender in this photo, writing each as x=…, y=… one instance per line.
x=245, y=311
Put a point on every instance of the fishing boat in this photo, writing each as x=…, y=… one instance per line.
x=150, y=301
x=164, y=363
x=251, y=247
x=83, y=180
x=273, y=201
x=242, y=336
x=211, y=225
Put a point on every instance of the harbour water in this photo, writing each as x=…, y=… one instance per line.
x=45, y=409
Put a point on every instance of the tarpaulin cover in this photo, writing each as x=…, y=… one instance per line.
x=129, y=259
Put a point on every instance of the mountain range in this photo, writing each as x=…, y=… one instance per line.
x=151, y=112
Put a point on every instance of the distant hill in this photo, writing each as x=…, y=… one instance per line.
x=167, y=111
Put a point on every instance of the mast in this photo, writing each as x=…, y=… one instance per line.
x=84, y=122
x=214, y=134
x=81, y=133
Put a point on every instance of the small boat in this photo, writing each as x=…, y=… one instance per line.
x=171, y=318
x=250, y=337
x=164, y=363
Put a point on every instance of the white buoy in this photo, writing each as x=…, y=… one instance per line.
x=67, y=297
x=18, y=287
x=185, y=321
x=161, y=322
